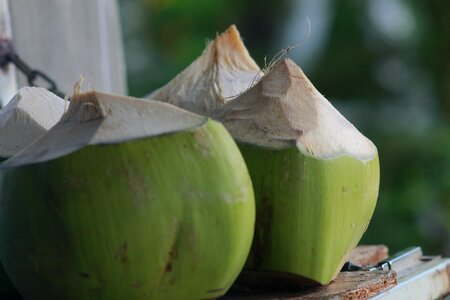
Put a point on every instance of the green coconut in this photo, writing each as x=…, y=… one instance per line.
x=126, y=199
x=26, y=117
x=221, y=73
x=315, y=176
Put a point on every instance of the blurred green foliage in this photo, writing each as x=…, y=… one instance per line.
x=393, y=84
x=414, y=203
x=175, y=32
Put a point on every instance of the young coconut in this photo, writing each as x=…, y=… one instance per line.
x=26, y=117
x=126, y=199
x=222, y=72
x=315, y=176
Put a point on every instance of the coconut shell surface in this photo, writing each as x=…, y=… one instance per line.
x=166, y=214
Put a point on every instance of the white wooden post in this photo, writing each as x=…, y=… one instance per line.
x=67, y=38
x=8, y=80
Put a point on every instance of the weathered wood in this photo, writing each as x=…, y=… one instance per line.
x=355, y=285
x=368, y=255
x=67, y=38
x=8, y=80
x=348, y=285
x=362, y=256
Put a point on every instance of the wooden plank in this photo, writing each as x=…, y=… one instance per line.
x=348, y=285
x=8, y=81
x=355, y=285
x=67, y=38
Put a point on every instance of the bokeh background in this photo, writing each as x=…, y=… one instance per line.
x=385, y=64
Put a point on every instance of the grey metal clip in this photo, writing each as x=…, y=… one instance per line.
x=397, y=261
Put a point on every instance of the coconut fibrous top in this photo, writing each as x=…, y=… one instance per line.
x=27, y=116
x=285, y=109
x=222, y=72
x=95, y=118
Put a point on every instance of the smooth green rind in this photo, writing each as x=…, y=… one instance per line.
x=310, y=212
x=169, y=217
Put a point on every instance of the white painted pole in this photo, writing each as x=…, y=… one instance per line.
x=67, y=38
x=8, y=79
